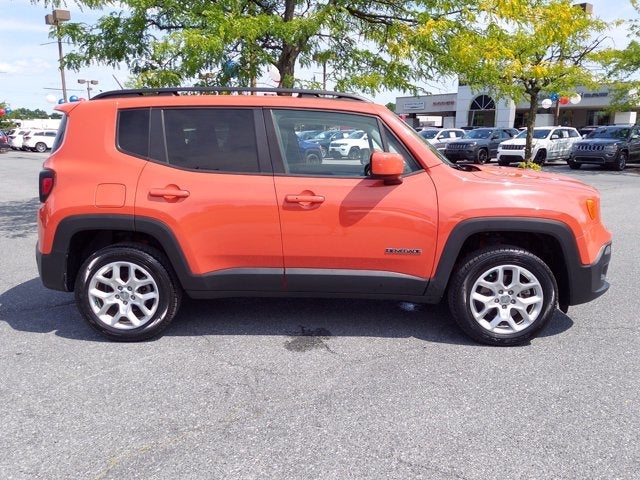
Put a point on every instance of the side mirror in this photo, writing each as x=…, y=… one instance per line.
x=555, y=136
x=387, y=166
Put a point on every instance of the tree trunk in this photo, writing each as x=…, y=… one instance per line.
x=531, y=122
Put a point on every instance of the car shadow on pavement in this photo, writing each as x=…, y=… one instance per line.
x=30, y=307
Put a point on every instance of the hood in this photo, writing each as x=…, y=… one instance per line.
x=600, y=141
x=521, y=176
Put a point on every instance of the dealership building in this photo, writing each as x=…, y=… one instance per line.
x=470, y=108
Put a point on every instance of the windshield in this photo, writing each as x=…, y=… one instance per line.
x=619, y=133
x=478, y=133
x=537, y=133
x=428, y=133
x=357, y=134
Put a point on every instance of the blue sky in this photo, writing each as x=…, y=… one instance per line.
x=29, y=58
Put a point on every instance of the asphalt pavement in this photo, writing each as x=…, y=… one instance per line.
x=315, y=389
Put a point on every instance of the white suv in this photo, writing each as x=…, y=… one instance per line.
x=549, y=143
x=39, y=140
x=439, y=137
x=356, y=146
x=15, y=138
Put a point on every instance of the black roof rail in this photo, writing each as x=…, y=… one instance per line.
x=297, y=92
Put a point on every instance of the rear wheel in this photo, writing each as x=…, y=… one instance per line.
x=502, y=295
x=41, y=147
x=127, y=292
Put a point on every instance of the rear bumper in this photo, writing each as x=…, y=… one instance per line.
x=589, y=282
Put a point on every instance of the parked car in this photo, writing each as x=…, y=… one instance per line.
x=308, y=134
x=39, y=140
x=311, y=152
x=479, y=145
x=15, y=138
x=325, y=138
x=610, y=146
x=356, y=146
x=586, y=130
x=439, y=137
x=4, y=141
x=132, y=217
x=549, y=143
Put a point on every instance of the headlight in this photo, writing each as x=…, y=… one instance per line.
x=611, y=148
x=472, y=144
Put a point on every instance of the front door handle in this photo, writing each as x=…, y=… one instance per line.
x=304, y=199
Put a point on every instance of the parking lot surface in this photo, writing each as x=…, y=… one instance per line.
x=315, y=389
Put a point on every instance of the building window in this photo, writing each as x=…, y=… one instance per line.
x=598, y=117
x=482, y=112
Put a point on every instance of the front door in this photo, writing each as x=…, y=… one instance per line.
x=343, y=231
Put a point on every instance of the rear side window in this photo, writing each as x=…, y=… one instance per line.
x=211, y=139
x=62, y=128
x=133, y=131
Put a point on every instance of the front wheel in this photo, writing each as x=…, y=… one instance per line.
x=354, y=153
x=482, y=157
x=127, y=292
x=621, y=162
x=502, y=295
x=313, y=158
x=541, y=157
x=573, y=165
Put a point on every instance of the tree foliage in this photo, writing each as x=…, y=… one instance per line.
x=622, y=66
x=365, y=45
x=520, y=50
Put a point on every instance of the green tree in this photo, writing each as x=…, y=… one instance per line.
x=365, y=44
x=622, y=66
x=525, y=50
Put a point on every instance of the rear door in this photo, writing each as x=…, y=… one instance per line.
x=212, y=187
x=343, y=231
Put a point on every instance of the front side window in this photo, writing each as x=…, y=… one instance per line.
x=343, y=155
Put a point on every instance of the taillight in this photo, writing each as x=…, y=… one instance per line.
x=46, y=183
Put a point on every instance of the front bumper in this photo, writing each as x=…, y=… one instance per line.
x=589, y=282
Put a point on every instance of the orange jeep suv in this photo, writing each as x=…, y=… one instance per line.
x=152, y=194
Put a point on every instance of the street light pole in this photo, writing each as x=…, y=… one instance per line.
x=89, y=83
x=56, y=18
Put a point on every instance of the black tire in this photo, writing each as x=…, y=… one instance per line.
x=620, y=162
x=127, y=292
x=354, y=153
x=482, y=156
x=40, y=147
x=491, y=306
x=313, y=158
x=541, y=157
x=574, y=165
x=365, y=156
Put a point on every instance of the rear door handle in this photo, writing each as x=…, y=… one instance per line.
x=169, y=192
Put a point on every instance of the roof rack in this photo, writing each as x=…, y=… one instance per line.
x=297, y=92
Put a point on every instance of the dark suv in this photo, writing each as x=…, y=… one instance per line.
x=479, y=145
x=610, y=146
